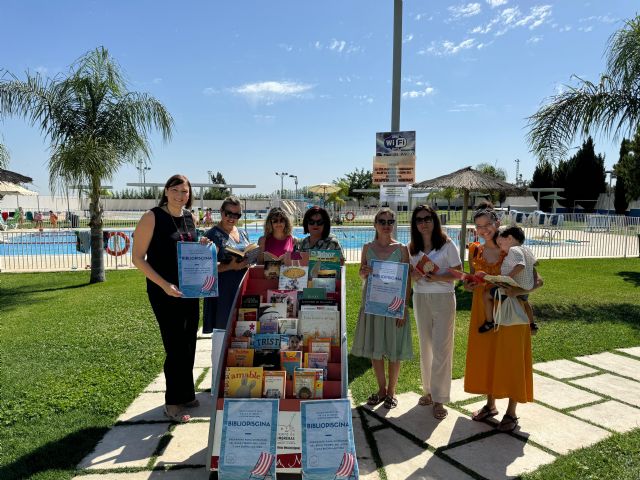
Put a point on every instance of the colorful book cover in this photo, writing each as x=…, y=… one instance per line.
x=266, y=341
x=274, y=384
x=320, y=345
x=197, y=270
x=320, y=323
x=250, y=301
x=317, y=360
x=246, y=329
x=311, y=293
x=291, y=342
x=271, y=311
x=269, y=326
x=329, y=284
x=288, y=326
x=324, y=260
x=307, y=383
x=293, y=277
x=425, y=265
x=240, y=357
x=272, y=269
x=247, y=314
x=243, y=382
x=387, y=289
x=267, y=359
x=289, y=361
x=288, y=297
x=240, y=342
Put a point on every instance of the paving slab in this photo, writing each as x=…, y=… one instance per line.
x=560, y=395
x=203, y=412
x=115, y=476
x=197, y=371
x=419, y=421
x=203, y=345
x=125, y=446
x=614, y=363
x=635, y=351
x=176, y=474
x=366, y=463
x=188, y=446
x=554, y=430
x=205, y=383
x=403, y=459
x=563, y=369
x=203, y=358
x=612, y=415
x=160, y=385
x=149, y=406
x=457, y=391
x=500, y=456
x=613, y=386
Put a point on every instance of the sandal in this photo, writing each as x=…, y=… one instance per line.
x=484, y=413
x=195, y=403
x=374, y=399
x=178, y=417
x=390, y=402
x=439, y=412
x=508, y=423
x=486, y=327
x=425, y=400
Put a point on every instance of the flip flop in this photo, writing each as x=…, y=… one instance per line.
x=439, y=412
x=179, y=417
x=508, y=423
x=390, y=402
x=425, y=400
x=484, y=413
x=374, y=399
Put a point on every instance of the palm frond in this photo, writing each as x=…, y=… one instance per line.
x=623, y=57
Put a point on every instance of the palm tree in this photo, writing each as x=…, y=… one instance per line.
x=94, y=125
x=612, y=105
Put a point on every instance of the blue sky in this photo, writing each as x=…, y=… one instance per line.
x=302, y=87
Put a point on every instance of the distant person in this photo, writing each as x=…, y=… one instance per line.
x=53, y=219
x=277, y=239
x=208, y=218
x=38, y=219
x=20, y=215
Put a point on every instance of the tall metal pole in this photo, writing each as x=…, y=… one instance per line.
x=395, y=88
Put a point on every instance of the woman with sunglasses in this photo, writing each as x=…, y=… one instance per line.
x=317, y=225
x=230, y=271
x=277, y=240
x=434, y=304
x=377, y=337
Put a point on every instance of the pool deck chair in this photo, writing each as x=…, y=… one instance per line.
x=263, y=466
x=347, y=467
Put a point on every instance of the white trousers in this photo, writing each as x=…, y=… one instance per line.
x=435, y=315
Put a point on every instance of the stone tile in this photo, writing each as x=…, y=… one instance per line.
x=181, y=474
x=205, y=383
x=554, y=430
x=158, y=385
x=612, y=415
x=147, y=407
x=500, y=456
x=203, y=412
x=203, y=345
x=125, y=446
x=403, y=459
x=457, y=391
x=560, y=395
x=563, y=369
x=188, y=446
x=635, y=351
x=418, y=420
x=203, y=358
x=366, y=463
x=612, y=362
x=613, y=386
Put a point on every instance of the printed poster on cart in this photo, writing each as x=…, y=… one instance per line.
x=197, y=270
x=328, y=447
x=387, y=289
x=248, y=445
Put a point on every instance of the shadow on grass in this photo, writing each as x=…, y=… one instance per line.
x=610, y=313
x=631, y=277
x=13, y=297
x=63, y=454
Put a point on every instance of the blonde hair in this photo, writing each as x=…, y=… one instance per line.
x=277, y=212
x=382, y=211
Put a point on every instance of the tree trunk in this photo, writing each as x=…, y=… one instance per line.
x=463, y=228
x=95, y=223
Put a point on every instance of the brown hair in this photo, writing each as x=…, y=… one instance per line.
x=438, y=237
x=172, y=182
x=315, y=210
x=273, y=213
x=230, y=200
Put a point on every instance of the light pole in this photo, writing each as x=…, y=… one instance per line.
x=142, y=173
x=281, y=175
x=611, y=177
x=295, y=179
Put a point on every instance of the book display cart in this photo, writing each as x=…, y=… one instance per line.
x=288, y=460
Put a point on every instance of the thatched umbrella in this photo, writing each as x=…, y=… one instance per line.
x=13, y=177
x=466, y=179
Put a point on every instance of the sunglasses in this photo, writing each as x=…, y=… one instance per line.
x=383, y=222
x=315, y=222
x=427, y=219
x=229, y=214
x=277, y=220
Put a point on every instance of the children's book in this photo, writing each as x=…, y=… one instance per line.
x=272, y=311
x=267, y=359
x=293, y=277
x=247, y=314
x=240, y=342
x=320, y=323
x=501, y=280
x=249, y=253
x=328, y=283
x=288, y=326
x=320, y=260
x=246, y=329
x=320, y=345
x=307, y=383
x=272, y=269
x=291, y=342
x=425, y=265
x=288, y=297
x=311, y=293
x=240, y=357
x=317, y=360
x=243, y=382
x=289, y=361
x=269, y=326
x=266, y=341
x=250, y=301
x=274, y=384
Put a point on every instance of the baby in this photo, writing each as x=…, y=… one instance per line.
x=519, y=264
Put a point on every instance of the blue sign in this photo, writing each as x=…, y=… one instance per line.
x=396, y=143
x=197, y=270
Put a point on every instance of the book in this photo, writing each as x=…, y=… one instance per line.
x=272, y=269
x=501, y=281
x=250, y=301
x=274, y=384
x=320, y=345
x=307, y=383
x=249, y=253
x=240, y=357
x=266, y=341
x=271, y=257
x=466, y=277
x=248, y=314
x=246, y=328
x=319, y=307
x=289, y=361
x=305, y=302
x=317, y=360
x=288, y=326
x=320, y=323
x=425, y=265
x=272, y=311
x=320, y=260
x=291, y=342
x=311, y=293
x=329, y=284
x=293, y=277
x=269, y=326
x=267, y=359
x=288, y=297
x=240, y=342
x=243, y=382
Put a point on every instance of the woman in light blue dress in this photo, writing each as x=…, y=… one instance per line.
x=379, y=337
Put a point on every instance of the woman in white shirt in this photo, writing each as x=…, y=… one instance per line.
x=434, y=304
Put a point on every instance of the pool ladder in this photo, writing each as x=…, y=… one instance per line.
x=551, y=234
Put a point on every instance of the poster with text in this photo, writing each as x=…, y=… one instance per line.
x=327, y=440
x=399, y=169
x=197, y=270
x=248, y=444
x=387, y=289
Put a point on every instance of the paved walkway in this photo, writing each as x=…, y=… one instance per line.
x=578, y=403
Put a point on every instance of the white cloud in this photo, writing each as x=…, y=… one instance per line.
x=465, y=107
x=419, y=93
x=496, y=3
x=407, y=38
x=585, y=29
x=271, y=91
x=448, y=47
x=368, y=99
x=535, y=39
x=318, y=45
x=511, y=18
x=285, y=47
x=599, y=18
x=338, y=46
x=462, y=11
x=423, y=16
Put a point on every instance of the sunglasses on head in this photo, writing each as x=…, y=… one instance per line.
x=382, y=221
x=315, y=222
x=229, y=214
x=425, y=219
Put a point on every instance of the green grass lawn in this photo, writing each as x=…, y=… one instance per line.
x=73, y=356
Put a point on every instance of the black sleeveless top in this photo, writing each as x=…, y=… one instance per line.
x=162, y=253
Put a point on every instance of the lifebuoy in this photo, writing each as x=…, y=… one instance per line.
x=117, y=252
x=350, y=216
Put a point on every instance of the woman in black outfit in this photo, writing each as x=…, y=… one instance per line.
x=155, y=254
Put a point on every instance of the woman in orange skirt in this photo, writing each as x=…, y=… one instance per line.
x=498, y=363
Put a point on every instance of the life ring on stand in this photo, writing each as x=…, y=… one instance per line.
x=350, y=216
x=117, y=252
